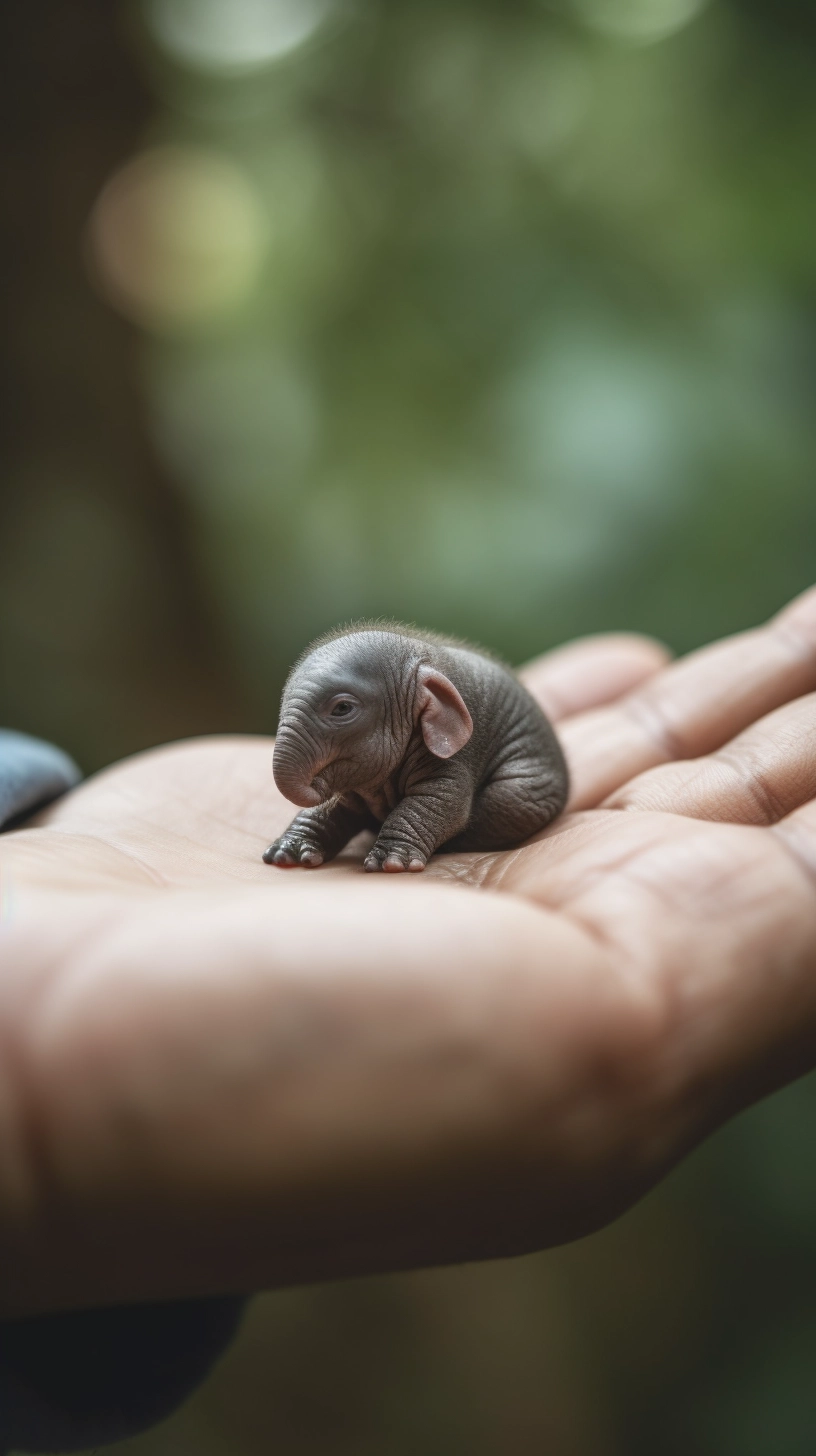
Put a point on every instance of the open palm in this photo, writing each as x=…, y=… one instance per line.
x=221, y=1075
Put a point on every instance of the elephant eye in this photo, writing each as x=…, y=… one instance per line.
x=342, y=709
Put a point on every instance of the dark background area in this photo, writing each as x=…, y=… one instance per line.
x=499, y=316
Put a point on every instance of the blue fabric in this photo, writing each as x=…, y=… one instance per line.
x=70, y=1381
x=31, y=773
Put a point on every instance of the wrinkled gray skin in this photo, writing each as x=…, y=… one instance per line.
x=422, y=739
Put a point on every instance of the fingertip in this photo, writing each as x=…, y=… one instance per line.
x=800, y=613
x=593, y=671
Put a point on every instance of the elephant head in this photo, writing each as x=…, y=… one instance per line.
x=350, y=709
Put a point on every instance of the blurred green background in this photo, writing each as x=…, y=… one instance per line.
x=495, y=315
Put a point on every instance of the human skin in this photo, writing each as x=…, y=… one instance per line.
x=423, y=739
x=216, y=1078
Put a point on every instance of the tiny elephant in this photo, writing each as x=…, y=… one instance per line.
x=424, y=739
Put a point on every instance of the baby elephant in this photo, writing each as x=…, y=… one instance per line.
x=421, y=738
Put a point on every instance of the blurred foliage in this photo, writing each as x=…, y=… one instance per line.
x=499, y=316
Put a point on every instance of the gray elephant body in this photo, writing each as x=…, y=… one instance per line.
x=424, y=739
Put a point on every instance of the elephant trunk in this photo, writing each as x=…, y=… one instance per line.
x=295, y=769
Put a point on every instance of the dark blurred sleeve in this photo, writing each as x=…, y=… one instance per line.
x=31, y=774
x=71, y=1380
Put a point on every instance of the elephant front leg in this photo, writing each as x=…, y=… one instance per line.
x=418, y=825
x=317, y=835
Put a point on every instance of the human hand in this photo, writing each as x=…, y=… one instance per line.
x=221, y=1076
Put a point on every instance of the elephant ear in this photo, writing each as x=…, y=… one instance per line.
x=443, y=717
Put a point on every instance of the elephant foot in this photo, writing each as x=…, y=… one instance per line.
x=394, y=860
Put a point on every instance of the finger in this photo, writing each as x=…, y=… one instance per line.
x=798, y=833
x=757, y=778
x=693, y=706
x=592, y=671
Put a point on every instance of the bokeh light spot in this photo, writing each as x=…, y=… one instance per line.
x=177, y=237
x=544, y=97
x=640, y=21
x=229, y=36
